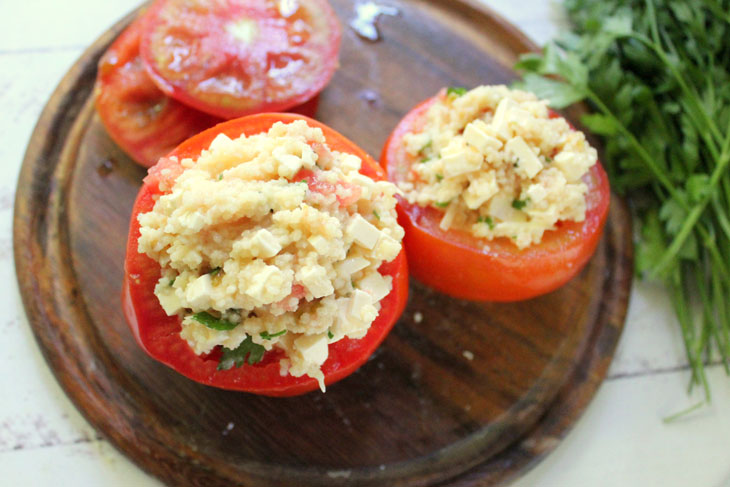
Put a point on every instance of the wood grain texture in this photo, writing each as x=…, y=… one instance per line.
x=470, y=395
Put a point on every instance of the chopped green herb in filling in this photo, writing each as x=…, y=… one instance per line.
x=519, y=204
x=247, y=351
x=212, y=322
x=456, y=90
x=268, y=336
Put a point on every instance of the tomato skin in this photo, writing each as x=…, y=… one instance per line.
x=144, y=122
x=457, y=263
x=219, y=75
x=159, y=334
x=139, y=117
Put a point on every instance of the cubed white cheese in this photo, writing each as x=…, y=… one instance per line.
x=448, y=218
x=571, y=164
x=345, y=323
x=267, y=285
x=313, y=348
x=500, y=207
x=314, y=278
x=169, y=300
x=377, y=285
x=221, y=143
x=537, y=193
x=289, y=164
x=363, y=232
x=480, y=190
x=265, y=243
x=197, y=294
x=359, y=301
x=319, y=243
x=457, y=159
x=500, y=121
x=351, y=265
x=350, y=163
x=364, y=182
x=526, y=161
x=475, y=134
x=387, y=248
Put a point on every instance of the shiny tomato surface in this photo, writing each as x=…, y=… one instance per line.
x=139, y=117
x=159, y=334
x=236, y=57
x=144, y=122
x=459, y=264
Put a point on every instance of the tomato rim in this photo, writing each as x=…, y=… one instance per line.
x=158, y=334
x=458, y=264
x=177, y=91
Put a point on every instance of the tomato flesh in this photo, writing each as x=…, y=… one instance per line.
x=144, y=122
x=140, y=118
x=464, y=266
x=159, y=334
x=236, y=57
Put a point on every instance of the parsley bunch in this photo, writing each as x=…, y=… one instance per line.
x=657, y=75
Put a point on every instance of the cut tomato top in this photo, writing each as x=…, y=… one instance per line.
x=236, y=57
x=459, y=264
x=159, y=334
x=140, y=118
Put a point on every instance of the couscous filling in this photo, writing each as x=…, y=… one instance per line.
x=273, y=241
x=498, y=164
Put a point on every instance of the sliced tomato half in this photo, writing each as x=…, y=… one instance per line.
x=159, y=334
x=140, y=118
x=459, y=264
x=236, y=57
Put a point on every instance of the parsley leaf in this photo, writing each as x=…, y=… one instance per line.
x=488, y=220
x=519, y=204
x=375, y=214
x=212, y=322
x=655, y=76
x=247, y=351
x=456, y=90
x=443, y=204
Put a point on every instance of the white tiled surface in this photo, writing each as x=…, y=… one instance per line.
x=620, y=440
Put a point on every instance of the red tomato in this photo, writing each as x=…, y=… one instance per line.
x=159, y=334
x=139, y=117
x=456, y=262
x=236, y=57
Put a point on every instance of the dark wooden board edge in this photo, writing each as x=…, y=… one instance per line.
x=570, y=403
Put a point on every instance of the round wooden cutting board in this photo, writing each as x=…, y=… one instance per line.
x=460, y=394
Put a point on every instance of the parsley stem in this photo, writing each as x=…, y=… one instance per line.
x=681, y=305
x=684, y=412
x=719, y=297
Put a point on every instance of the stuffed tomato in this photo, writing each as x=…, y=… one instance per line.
x=264, y=255
x=502, y=199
